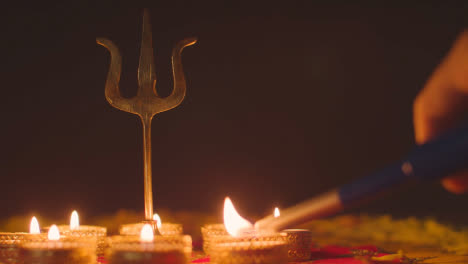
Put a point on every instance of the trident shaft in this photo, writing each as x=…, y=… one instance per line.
x=146, y=103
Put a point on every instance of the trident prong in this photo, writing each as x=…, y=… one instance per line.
x=146, y=103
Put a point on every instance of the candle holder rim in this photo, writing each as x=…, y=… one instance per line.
x=166, y=229
x=79, y=227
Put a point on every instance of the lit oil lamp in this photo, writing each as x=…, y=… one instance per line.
x=245, y=245
x=9, y=242
x=148, y=248
x=76, y=231
x=58, y=249
x=163, y=228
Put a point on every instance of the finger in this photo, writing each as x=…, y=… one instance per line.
x=457, y=183
x=443, y=102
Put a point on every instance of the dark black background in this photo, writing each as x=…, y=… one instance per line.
x=284, y=101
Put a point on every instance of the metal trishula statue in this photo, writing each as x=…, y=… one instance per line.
x=146, y=103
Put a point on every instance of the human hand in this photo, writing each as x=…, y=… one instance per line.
x=443, y=104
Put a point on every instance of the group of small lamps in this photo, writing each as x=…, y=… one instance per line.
x=142, y=243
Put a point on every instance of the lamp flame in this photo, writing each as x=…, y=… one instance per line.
x=158, y=220
x=146, y=234
x=34, y=226
x=276, y=213
x=54, y=233
x=233, y=222
x=74, y=221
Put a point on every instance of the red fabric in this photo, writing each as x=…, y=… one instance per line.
x=202, y=260
x=336, y=261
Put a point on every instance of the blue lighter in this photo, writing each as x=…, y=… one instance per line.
x=431, y=161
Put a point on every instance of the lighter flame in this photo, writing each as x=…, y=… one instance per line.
x=34, y=226
x=276, y=213
x=146, y=234
x=158, y=220
x=74, y=221
x=54, y=233
x=233, y=222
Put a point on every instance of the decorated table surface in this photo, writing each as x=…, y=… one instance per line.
x=367, y=254
x=349, y=239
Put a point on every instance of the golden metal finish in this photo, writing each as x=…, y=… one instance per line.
x=146, y=103
x=299, y=244
x=167, y=229
x=259, y=249
x=164, y=249
x=86, y=231
x=10, y=245
x=69, y=251
x=209, y=233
